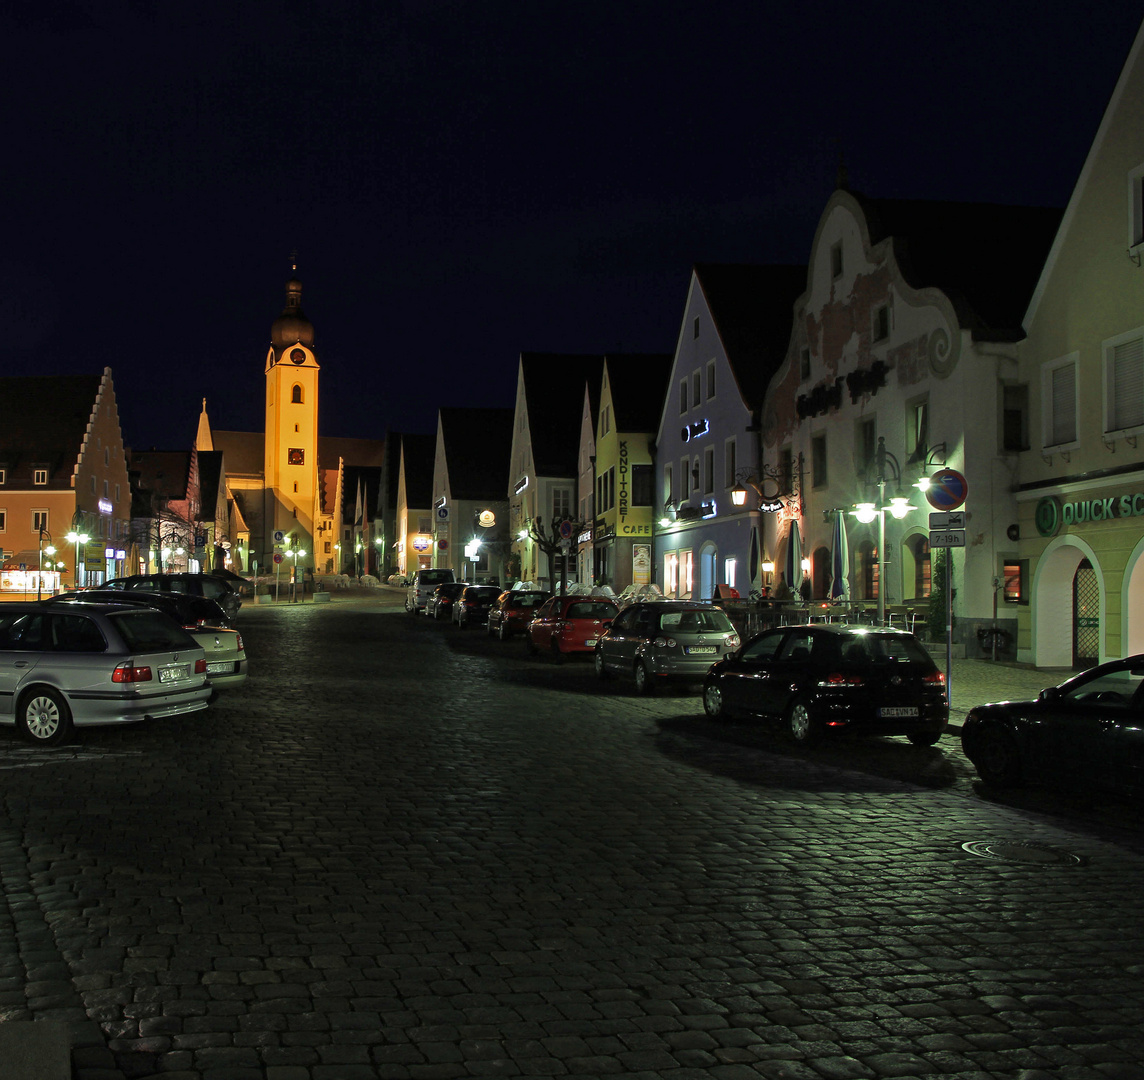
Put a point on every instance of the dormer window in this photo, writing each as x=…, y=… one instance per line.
x=39, y=477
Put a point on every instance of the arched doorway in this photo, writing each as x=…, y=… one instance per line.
x=1068, y=591
x=1132, y=603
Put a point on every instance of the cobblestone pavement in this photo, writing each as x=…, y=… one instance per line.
x=404, y=850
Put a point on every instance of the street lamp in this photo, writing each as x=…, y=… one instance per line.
x=899, y=507
x=295, y=554
x=77, y=539
x=40, y=565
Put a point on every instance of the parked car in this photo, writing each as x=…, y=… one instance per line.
x=440, y=604
x=65, y=665
x=243, y=586
x=513, y=611
x=1088, y=730
x=207, y=585
x=423, y=585
x=569, y=624
x=833, y=678
x=660, y=640
x=472, y=606
x=203, y=619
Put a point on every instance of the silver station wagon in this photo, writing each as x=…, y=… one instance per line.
x=72, y=664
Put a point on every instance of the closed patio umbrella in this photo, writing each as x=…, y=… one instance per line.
x=839, y=560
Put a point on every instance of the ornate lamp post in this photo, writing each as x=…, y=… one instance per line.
x=888, y=469
x=77, y=538
x=50, y=549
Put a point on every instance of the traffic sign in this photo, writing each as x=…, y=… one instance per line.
x=949, y=538
x=955, y=520
x=279, y=536
x=442, y=513
x=566, y=529
x=278, y=556
x=947, y=489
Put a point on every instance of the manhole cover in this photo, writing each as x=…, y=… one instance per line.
x=1014, y=851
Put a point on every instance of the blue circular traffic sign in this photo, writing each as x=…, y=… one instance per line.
x=947, y=489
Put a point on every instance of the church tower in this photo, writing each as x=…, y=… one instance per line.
x=291, y=462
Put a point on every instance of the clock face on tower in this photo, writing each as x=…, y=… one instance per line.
x=298, y=356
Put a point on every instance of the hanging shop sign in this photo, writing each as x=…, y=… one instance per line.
x=694, y=431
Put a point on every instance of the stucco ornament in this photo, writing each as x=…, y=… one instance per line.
x=944, y=351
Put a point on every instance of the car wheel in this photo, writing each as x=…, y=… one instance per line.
x=602, y=671
x=44, y=718
x=925, y=738
x=530, y=645
x=502, y=633
x=996, y=758
x=644, y=683
x=802, y=726
x=557, y=655
x=489, y=631
x=713, y=703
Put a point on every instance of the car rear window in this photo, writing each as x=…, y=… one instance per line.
x=866, y=648
x=591, y=610
x=695, y=622
x=435, y=577
x=151, y=631
x=528, y=600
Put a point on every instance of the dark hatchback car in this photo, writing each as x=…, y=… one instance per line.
x=513, y=611
x=440, y=604
x=474, y=603
x=213, y=588
x=1089, y=730
x=833, y=678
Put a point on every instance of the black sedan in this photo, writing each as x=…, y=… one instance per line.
x=1088, y=730
x=833, y=678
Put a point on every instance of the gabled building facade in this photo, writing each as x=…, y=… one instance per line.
x=733, y=337
x=1076, y=581
x=902, y=348
x=63, y=469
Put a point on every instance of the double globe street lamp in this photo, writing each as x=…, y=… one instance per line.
x=888, y=470
x=77, y=538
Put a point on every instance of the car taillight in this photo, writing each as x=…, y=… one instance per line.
x=127, y=673
x=664, y=643
x=201, y=666
x=935, y=677
x=837, y=678
x=238, y=639
x=733, y=641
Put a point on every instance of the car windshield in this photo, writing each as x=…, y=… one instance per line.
x=695, y=622
x=878, y=648
x=151, y=631
x=1106, y=688
x=590, y=610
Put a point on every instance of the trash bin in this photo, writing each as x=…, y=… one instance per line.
x=991, y=637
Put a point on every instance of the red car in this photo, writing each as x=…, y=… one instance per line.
x=570, y=624
x=512, y=613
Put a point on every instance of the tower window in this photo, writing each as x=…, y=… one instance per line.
x=295, y=489
x=296, y=456
x=295, y=429
x=296, y=395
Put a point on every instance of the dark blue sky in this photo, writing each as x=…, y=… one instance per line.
x=465, y=181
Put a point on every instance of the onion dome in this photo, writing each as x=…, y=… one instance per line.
x=292, y=327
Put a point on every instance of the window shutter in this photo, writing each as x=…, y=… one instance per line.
x=1126, y=409
x=1064, y=406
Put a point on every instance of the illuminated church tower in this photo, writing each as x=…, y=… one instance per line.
x=291, y=462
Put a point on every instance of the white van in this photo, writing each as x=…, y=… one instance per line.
x=424, y=582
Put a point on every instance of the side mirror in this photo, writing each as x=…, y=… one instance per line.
x=1049, y=693
x=606, y=624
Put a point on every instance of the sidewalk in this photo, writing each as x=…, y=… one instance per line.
x=975, y=682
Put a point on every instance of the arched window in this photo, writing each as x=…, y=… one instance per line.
x=866, y=570
x=296, y=396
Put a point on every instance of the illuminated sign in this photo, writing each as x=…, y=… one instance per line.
x=521, y=484
x=635, y=530
x=1050, y=514
x=421, y=543
x=770, y=506
x=105, y=506
x=694, y=431
x=486, y=519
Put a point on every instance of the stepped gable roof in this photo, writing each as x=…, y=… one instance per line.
x=639, y=386
x=478, y=450
x=43, y=423
x=369, y=476
x=987, y=258
x=420, y=451
x=244, y=452
x=553, y=388
x=753, y=311
x=351, y=451
x=327, y=489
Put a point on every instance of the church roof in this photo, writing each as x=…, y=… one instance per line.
x=478, y=448
x=245, y=452
x=43, y=422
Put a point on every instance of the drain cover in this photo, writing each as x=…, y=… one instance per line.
x=1015, y=851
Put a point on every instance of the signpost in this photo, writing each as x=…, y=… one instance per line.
x=947, y=491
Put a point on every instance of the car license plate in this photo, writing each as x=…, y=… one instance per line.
x=891, y=711
x=220, y=667
x=590, y=641
x=173, y=672
x=700, y=650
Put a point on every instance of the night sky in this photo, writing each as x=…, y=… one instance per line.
x=463, y=181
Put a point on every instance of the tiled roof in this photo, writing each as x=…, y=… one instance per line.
x=354, y=451
x=478, y=446
x=753, y=311
x=554, y=391
x=985, y=257
x=639, y=384
x=43, y=421
x=245, y=452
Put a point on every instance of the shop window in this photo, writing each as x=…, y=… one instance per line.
x=670, y=574
x=1015, y=578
